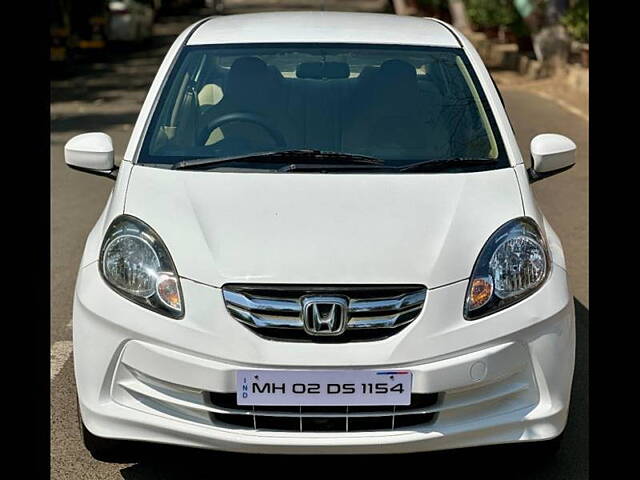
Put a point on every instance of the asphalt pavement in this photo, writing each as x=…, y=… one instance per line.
x=106, y=96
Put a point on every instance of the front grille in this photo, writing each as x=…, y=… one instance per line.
x=323, y=419
x=276, y=311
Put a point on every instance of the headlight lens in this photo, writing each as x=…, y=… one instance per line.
x=512, y=264
x=136, y=264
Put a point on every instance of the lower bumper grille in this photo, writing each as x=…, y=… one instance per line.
x=323, y=419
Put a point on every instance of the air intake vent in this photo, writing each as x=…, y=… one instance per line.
x=422, y=410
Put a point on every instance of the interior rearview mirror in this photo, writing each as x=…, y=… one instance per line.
x=550, y=154
x=91, y=153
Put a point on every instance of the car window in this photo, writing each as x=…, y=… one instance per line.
x=398, y=104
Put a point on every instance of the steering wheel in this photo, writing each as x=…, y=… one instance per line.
x=248, y=117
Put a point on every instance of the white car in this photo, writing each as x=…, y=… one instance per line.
x=322, y=239
x=131, y=20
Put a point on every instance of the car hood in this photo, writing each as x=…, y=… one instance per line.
x=312, y=228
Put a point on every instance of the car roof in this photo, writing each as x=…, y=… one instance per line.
x=323, y=27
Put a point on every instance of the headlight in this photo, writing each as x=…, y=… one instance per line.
x=137, y=265
x=512, y=265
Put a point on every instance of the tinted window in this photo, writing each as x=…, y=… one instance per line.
x=399, y=104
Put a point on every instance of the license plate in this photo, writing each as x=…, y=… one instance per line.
x=317, y=387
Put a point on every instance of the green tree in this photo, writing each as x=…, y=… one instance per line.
x=491, y=13
x=576, y=20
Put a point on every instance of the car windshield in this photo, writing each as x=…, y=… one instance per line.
x=401, y=105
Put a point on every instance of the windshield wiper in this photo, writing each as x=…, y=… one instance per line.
x=302, y=157
x=325, y=167
x=444, y=163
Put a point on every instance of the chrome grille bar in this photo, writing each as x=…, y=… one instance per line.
x=264, y=321
x=375, y=307
x=388, y=304
x=256, y=304
x=385, y=321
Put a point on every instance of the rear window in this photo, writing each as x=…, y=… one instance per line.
x=400, y=104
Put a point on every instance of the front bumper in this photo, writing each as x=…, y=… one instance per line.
x=501, y=379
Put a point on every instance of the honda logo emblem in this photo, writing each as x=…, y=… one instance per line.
x=324, y=315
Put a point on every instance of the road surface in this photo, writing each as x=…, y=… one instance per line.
x=106, y=97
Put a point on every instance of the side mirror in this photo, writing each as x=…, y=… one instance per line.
x=91, y=153
x=550, y=154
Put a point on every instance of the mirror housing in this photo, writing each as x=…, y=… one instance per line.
x=91, y=153
x=550, y=154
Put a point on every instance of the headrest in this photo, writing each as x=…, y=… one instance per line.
x=247, y=67
x=320, y=70
x=275, y=73
x=399, y=70
x=247, y=76
x=367, y=73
